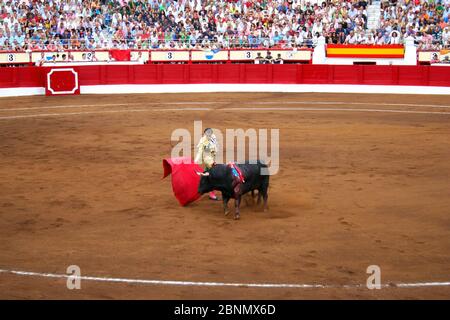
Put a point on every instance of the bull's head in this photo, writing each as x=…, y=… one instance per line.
x=205, y=184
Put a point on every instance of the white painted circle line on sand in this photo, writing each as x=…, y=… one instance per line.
x=221, y=284
x=335, y=109
x=228, y=102
x=42, y=115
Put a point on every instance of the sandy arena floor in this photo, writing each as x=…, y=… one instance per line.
x=366, y=183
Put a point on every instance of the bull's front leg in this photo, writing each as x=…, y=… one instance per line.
x=265, y=196
x=237, y=204
x=226, y=211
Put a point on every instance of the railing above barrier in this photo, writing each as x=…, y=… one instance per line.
x=304, y=56
x=156, y=56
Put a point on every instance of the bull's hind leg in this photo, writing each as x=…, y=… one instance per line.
x=253, y=197
x=226, y=211
x=258, y=202
x=264, y=194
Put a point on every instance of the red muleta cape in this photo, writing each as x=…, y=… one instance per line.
x=184, y=179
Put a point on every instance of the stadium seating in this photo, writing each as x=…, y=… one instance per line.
x=198, y=24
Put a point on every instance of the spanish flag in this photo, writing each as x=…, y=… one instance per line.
x=365, y=51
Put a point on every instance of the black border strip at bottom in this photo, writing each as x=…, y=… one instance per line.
x=230, y=309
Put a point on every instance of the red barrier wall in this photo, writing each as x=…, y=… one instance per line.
x=21, y=77
x=236, y=73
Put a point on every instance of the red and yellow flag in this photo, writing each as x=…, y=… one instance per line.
x=365, y=51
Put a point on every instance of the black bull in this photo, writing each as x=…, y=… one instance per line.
x=220, y=178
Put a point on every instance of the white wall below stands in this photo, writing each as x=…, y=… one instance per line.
x=299, y=88
x=198, y=88
x=27, y=91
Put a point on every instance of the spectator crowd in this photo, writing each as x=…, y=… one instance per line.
x=197, y=24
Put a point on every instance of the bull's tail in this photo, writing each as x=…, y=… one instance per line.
x=263, y=190
x=262, y=165
x=265, y=177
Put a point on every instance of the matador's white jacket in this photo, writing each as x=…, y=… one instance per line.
x=207, y=149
